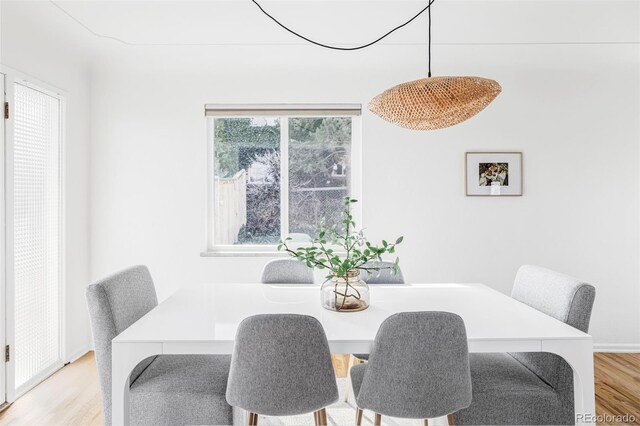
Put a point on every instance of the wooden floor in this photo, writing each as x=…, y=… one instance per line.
x=72, y=395
x=617, y=385
x=69, y=397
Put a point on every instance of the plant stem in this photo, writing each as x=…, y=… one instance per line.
x=288, y=250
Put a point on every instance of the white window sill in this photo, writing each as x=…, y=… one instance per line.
x=252, y=253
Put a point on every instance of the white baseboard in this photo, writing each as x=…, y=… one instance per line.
x=616, y=347
x=78, y=354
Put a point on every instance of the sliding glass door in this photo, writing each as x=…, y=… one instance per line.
x=33, y=250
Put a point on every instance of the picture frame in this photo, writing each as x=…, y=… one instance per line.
x=493, y=174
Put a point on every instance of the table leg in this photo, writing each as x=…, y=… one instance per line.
x=124, y=358
x=579, y=355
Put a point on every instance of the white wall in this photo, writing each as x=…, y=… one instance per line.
x=51, y=59
x=136, y=147
x=571, y=85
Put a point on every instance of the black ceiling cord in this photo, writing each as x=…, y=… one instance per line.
x=429, y=71
x=428, y=6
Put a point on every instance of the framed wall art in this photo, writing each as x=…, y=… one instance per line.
x=493, y=174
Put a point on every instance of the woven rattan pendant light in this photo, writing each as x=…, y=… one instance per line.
x=426, y=104
x=434, y=102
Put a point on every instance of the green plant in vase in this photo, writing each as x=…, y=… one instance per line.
x=344, y=253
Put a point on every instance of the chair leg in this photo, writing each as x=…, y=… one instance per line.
x=378, y=420
x=450, y=420
x=253, y=419
x=358, y=417
x=348, y=389
x=426, y=422
x=320, y=417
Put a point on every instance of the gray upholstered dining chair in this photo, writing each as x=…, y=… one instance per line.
x=419, y=368
x=382, y=276
x=164, y=389
x=281, y=366
x=531, y=388
x=286, y=271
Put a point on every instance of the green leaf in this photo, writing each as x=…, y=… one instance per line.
x=399, y=240
x=384, y=243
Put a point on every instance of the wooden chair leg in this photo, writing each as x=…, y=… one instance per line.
x=348, y=390
x=320, y=417
x=358, y=417
x=253, y=419
x=378, y=420
x=426, y=422
x=450, y=420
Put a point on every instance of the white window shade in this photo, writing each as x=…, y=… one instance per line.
x=36, y=233
x=284, y=110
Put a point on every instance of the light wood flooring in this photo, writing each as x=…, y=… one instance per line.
x=72, y=395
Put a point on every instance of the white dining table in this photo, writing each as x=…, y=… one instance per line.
x=203, y=319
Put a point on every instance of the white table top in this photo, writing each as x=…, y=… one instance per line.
x=210, y=313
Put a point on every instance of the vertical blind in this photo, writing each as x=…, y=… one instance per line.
x=36, y=233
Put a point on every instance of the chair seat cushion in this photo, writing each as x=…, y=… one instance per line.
x=182, y=389
x=507, y=392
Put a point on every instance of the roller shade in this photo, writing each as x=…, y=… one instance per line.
x=280, y=110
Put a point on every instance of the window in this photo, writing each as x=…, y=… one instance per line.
x=279, y=171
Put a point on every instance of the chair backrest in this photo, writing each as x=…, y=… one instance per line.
x=562, y=297
x=382, y=276
x=418, y=367
x=287, y=271
x=281, y=365
x=115, y=303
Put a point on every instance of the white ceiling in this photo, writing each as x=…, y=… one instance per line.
x=110, y=24
x=241, y=22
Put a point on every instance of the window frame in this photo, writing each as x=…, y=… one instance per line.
x=283, y=113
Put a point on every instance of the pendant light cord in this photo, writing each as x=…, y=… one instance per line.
x=428, y=6
x=429, y=45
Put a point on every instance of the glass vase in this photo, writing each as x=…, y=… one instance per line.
x=345, y=294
